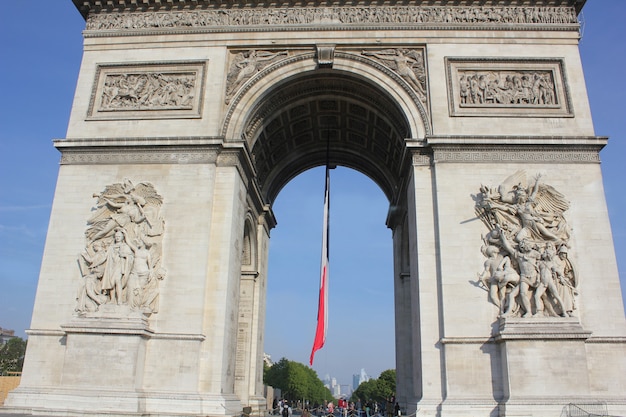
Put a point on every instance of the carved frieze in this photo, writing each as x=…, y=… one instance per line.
x=346, y=15
x=148, y=90
x=409, y=64
x=405, y=66
x=245, y=64
x=539, y=154
x=121, y=265
x=507, y=87
x=528, y=272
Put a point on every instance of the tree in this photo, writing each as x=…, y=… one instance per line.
x=296, y=381
x=12, y=355
x=387, y=383
x=377, y=390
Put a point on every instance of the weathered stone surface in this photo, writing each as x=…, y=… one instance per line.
x=216, y=107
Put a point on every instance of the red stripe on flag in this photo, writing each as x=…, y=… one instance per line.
x=322, y=308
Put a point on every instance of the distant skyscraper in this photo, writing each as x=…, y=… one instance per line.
x=360, y=378
x=336, y=390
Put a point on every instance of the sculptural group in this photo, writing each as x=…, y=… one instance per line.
x=527, y=272
x=121, y=263
x=507, y=87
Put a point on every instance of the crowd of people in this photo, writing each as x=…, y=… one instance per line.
x=343, y=408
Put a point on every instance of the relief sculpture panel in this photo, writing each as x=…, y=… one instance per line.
x=528, y=272
x=245, y=64
x=507, y=88
x=501, y=88
x=122, y=260
x=407, y=63
x=147, y=91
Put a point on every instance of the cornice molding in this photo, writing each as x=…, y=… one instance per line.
x=506, y=149
x=151, y=18
x=466, y=340
x=593, y=141
x=138, y=156
x=435, y=149
x=194, y=141
x=515, y=153
x=177, y=150
x=102, y=6
x=173, y=150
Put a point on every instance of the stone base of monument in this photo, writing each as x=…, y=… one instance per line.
x=537, y=366
x=103, y=372
x=258, y=406
x=544, y=364
x=119, y=403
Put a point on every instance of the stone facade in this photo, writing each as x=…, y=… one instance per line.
x=190, y=116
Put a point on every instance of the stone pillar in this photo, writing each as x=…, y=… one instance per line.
x=251, y=314
x=258, y=401
x=425, y=292
x=217, y=358
x=246, y=349
x=404, y=308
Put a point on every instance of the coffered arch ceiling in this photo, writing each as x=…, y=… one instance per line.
x=304, y=119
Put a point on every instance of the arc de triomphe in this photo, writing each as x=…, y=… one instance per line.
x=191, y=115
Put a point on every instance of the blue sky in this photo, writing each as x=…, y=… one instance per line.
x=39, y=62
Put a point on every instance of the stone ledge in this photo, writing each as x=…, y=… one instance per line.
x=544, y=328
x=111, y=319
x=466, y=340
x=138, y=141
x=600, y=141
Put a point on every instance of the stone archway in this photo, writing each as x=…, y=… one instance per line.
x=298, y=122
x=361, y=127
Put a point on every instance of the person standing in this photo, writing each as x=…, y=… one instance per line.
x=286, y=411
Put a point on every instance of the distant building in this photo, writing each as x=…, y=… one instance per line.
x=6, y=335
x=335, y=389
x=346, y=391
x=359, y=378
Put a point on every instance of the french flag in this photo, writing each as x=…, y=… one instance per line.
x=322, y=309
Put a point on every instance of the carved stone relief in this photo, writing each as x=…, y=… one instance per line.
x=506, y=87
x=282, y=16
x=528, y=272
x=407, y=63
x=122, y=261
x=245, y=64
x=147, y=90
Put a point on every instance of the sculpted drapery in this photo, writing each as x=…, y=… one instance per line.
x=527, y=272
x=121, y=264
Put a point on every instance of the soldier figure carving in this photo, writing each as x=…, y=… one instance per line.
x=527, y=223
x=122, y=260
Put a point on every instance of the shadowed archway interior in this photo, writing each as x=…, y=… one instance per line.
x=302, y=120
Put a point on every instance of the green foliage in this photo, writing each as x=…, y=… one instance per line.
x=376, y=389
x=296, y=381
x=12, y=355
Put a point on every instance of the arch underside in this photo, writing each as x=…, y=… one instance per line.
x=327, y=115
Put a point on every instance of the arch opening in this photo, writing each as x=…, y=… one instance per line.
x=299, y=122
x=324, y=114
x=361, y=332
